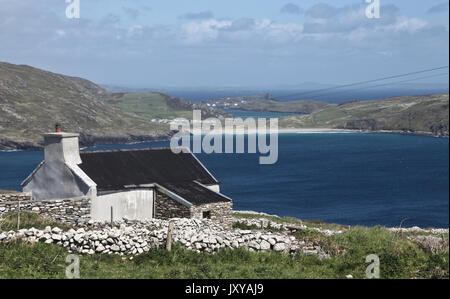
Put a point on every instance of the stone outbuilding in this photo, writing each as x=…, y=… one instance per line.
x=138, y=184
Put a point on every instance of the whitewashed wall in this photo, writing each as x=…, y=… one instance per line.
x=133, y=205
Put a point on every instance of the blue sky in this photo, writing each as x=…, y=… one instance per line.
x=223, y=43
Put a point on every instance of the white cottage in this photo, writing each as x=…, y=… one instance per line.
x=134, y=184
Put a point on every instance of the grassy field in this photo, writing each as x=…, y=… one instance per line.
x=149, y=105
x=399, y=258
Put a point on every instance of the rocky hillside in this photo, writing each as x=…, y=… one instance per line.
x=413, y=114
x=32, y=100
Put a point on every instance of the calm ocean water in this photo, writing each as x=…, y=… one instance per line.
x=364, y=179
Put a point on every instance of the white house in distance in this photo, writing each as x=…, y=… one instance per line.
x=136, y=184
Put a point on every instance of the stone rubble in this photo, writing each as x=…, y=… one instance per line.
x=133, y=238
x=416, y=229
x=433, y=244
x=264, y=223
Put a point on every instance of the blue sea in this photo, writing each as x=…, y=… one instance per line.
x=351, y=179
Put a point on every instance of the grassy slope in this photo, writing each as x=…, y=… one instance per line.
x=417, y=113
x=399, y=258
x=32, y=100
x=154, y=105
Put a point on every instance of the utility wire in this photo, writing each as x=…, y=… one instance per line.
x=362, y=82
x=379, y=85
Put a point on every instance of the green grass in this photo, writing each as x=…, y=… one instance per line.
x=271, y=218
x=27, y=220
x=150, y=105
x=399, y=258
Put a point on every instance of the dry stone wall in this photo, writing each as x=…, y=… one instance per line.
x=133, y=238
x=4, y=197
x=221, y=212
x=75, y=212
x=166, y=208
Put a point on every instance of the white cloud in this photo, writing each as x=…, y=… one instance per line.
x=409, y=25
x=36, y=34
x=203, y=15
x=135, y=30
x=60, y=32
x=193, y=32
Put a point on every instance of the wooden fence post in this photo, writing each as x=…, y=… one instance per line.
x=169, y=236
x=18, y=215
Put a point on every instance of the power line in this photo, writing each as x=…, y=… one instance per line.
x=362, y=82
x=384, y=84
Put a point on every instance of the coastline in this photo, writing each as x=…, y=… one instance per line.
x=268, y=131
x=85, y=141
x=432, y=230
x=316, y=131
x=13, y=146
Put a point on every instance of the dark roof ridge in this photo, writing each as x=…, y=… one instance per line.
x=135, y=150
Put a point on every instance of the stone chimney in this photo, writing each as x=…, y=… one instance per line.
x=62, y=147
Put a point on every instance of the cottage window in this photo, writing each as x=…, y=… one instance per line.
x=206, y=214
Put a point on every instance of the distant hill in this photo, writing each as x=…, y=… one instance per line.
x=155, y=105
x=32, y=100
x=414, y=114
x=266, y=103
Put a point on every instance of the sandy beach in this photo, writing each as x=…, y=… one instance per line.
x=279, y=131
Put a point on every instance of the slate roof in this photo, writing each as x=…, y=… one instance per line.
x=195, y=193
x=114, y=170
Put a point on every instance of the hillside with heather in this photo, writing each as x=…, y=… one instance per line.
x=32, y=100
